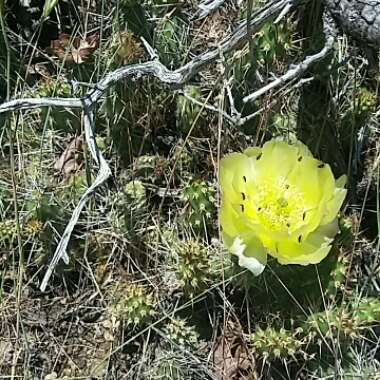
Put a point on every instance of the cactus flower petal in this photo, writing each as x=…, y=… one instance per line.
x=251, y=254
x=278, y=200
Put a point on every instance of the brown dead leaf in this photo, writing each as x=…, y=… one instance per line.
x=74, y=50
x=232, y=361
x=71, y=158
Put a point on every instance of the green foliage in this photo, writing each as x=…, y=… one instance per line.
x=130, y=207
x=42, y=206
x=73, y=189
x=132, y=304
x=193, y=266
x=132, y=16
x=8, y=230
x=15, y=70
x=187, y=112
x=180, y=333
x=48, y=7
x=281, y=285
x=146, y=166
x=272, y=344
x=200, y=197
x=59, y=119
x=171, y=40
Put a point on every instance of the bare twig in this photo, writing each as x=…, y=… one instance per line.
x=103, y=174
x=283, y=13
x=32, y=103
x=207, y=7
x=156, y=68
x=209, y=107
x=296, y=71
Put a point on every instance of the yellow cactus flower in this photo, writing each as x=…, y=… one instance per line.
x=278, y=200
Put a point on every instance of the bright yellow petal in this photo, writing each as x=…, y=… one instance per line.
x=302, y=149
x=228, y=167
x=309, y=258
x=341, y=181
x=252, y=151
x=333, y=206
x=276, y=160
x=230, y=221
x=236, y=175
x=305, y=178
x=326, y=180
x=311, y=250
x=316, y=182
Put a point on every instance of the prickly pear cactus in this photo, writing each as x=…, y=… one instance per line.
x=170, y=365
x=124, y=48
x=193, y=268
x=187, y=111
x=171, y=40
x=127, y=215
x=368, y=310
x=32, y=228
x=53, y=87
x=270, y=45
x=132, y=304
x=200, y=196
x=180, y=333
x=8, y=230
x=278, y=344
x=365, y=101
x=272, y=42
x=330, y=323
x=349, y=321
x=337, y=281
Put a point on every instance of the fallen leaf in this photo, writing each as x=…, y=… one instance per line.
x=231, y=360
x=71, y=158
x=74, y=50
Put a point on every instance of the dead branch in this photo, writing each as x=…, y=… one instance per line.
x=298, y=70
x=207, y=7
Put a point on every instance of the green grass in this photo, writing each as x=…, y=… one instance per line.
x=150, y=290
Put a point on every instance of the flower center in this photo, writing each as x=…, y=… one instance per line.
x=278, y=206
